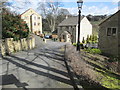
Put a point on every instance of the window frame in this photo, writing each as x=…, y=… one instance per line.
x=35, y=17
x=108, y=32
x=38, y=24
x=25, y=17
x=114, y=34
x=38, y=17
x=34, y=23
x=111, y=31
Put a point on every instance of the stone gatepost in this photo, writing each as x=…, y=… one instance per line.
x=3, y=50
x=33, y=42
x=9, y=45
x=19, y=45
x=15, y=46
x=24, y=44
x=29, y=43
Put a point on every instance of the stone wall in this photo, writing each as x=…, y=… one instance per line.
x=109, y=44
x=9, y=46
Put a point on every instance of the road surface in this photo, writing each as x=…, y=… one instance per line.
x=42, y=67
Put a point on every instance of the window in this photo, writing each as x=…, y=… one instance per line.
x=34, y=23
x=38, y=17
x=114, y=31
x=68, y=36
x=63, y=36
x=111, y=31
x=38, y=24
x=35, y=17
x=67, y=27
x=26, y=17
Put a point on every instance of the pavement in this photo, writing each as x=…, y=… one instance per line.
x=41, y=67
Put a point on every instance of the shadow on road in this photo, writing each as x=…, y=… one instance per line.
x=40, y=72
x=48, y=53
x=11, y=79
x=41, y=66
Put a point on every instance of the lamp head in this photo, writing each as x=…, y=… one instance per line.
x=80, y=2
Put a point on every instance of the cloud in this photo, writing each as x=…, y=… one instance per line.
x=119, y=5
x=96, y=10
x=21, y=6
x=93, y=10
x=87, y=0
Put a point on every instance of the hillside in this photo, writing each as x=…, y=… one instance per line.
x=95, y=21
x=95, y=25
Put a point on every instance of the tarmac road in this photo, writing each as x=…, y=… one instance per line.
x=42, y=67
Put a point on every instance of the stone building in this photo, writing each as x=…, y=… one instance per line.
x=33, y=20
x=68, y=29
x=109, y=35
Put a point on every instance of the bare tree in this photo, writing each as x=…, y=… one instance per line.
x=49, y=11
x=10, y=5
x=63, y=11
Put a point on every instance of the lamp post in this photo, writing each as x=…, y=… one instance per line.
x=79, y=2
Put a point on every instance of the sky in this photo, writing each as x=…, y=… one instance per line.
x=93, y=7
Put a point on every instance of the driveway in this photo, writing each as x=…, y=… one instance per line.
x=42, y=67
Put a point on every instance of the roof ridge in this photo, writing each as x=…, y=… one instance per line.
x=25, y=11
x=70, y=21
x=28, y=10
x=109, y=17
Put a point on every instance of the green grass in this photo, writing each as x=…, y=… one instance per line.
x=105, y=77
x=108, y=80
x=93, y=51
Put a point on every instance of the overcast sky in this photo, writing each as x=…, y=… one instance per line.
x=94, y=7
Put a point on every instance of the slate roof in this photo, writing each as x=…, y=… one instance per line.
x=70, y=21
x=28, y=10
x=109, y=17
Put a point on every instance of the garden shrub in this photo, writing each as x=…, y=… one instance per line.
x=93, y=51
x=13, y=26
x=74, y=44
x=81, y=45
x=91, y=39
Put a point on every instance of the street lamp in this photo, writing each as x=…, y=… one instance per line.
x=79, y=2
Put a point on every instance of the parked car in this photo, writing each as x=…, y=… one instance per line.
x=47, y=36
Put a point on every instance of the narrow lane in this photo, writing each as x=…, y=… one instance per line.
x=42, y=67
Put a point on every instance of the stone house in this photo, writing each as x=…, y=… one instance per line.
x=109, y=35
x=33, y=20
x=68, y=29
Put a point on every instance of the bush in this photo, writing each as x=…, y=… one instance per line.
x=92, y=39
x=74, y=44
x=13, y=26
x=94, y=51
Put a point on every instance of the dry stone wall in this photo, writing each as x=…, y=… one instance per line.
x=9, y=46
